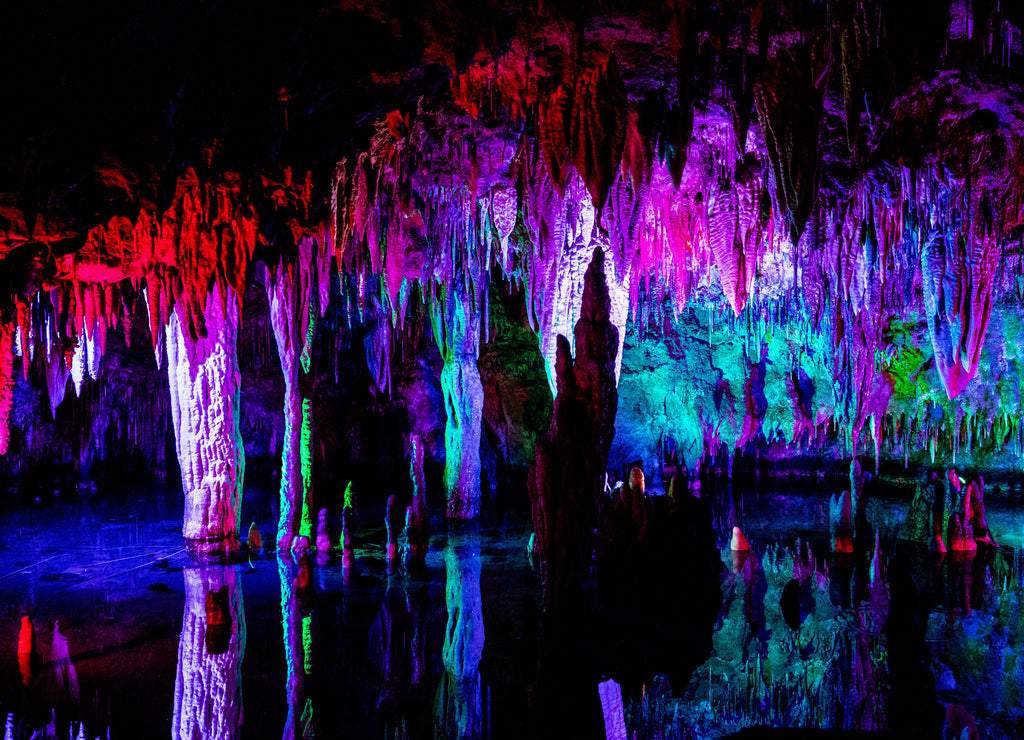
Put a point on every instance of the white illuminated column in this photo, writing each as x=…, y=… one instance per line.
x=205, y=403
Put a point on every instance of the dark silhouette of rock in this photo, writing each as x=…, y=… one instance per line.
x=911, y=707
x=568, y=475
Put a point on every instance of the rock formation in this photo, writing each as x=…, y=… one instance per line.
x=568, y=476
x=205, y=404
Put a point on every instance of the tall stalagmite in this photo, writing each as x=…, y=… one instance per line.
x=292, y=290
x=205, y=403
x=464, y=403
x=568, y=476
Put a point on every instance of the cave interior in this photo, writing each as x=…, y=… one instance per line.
x=599, y=369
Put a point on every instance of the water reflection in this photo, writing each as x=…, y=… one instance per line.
x=804, y=637
x=208, y=686
x=297, y=596
x=458, y=706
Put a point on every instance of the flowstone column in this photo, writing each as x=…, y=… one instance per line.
x=464, y=402
x=294, y=306
x=205, y=403
x=208, y=686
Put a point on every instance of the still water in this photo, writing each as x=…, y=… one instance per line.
x=134, y=640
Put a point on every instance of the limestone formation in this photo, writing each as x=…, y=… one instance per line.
x=205, y=405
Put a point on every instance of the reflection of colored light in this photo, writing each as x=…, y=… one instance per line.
x=306, y=454
x=307, y=644
x=25, y=650
x=25, y=637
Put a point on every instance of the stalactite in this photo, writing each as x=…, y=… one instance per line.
x=789, y=105
x=7, y=329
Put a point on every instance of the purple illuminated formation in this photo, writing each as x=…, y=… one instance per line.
x=717, y=305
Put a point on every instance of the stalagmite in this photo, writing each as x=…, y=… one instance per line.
x=464, y=400
x=253, y=539
x=26, y=649
x=568, y=476
x=392, y=525
x=416, y=532
x=738, y=542
x=293, y=294
x=208, y=686
x=323, y=535
x=348, y=535
x=611, y=706
x=205, y=404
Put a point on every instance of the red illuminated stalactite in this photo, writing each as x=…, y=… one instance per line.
x=24, y=320
x=6, y=381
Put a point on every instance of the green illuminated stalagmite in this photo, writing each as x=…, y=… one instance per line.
x=295, y=298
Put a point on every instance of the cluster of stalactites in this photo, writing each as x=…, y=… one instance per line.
x=402, y=234
x=202, y=242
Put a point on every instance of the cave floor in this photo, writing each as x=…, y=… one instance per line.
x=110, y=572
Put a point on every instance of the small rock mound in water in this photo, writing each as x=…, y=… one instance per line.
x=739, y=542
x=254, y=539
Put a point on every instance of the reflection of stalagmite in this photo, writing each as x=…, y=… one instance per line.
x=208, y=688
x=464, y=636
x=205, y=404
x=298, y=645
x=840, y=522
x=458, y=706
